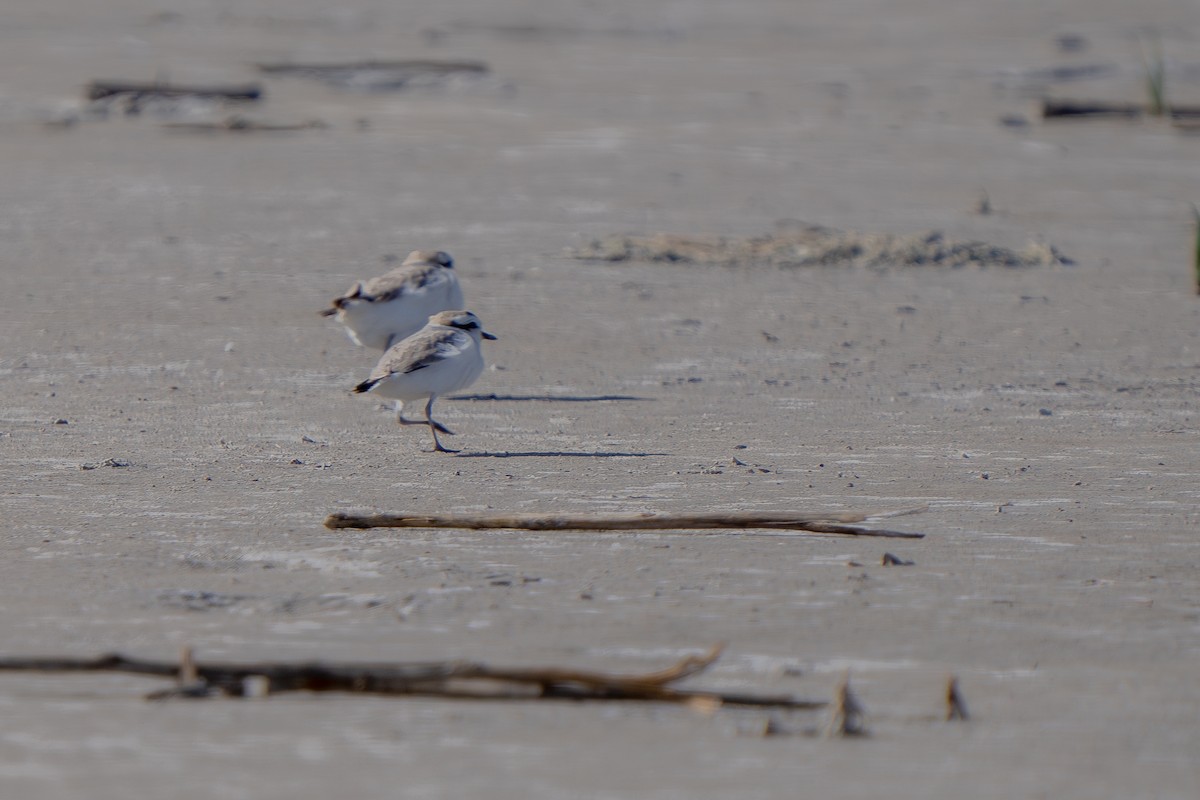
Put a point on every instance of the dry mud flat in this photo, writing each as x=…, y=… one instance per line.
x=175, y=419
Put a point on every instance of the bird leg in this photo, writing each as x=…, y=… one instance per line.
x=433, y=426
x=402, y=420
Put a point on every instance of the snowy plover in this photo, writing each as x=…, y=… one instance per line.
x=444, y=356
x=381, y=311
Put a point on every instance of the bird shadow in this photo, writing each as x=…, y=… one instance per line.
x=549, y=398
x=558, y=453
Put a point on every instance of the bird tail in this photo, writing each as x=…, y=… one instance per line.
x=338, y=303
x=366, y=385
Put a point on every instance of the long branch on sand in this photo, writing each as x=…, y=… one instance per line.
x=841, y=524
x=453, y=679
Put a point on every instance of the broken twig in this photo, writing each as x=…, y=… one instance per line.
x=451, y=679
x=956, y=706
x=189, y=685
x=811, y=523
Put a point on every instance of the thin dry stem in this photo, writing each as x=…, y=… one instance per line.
x=849, y=715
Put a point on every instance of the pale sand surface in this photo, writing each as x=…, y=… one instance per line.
x=160, y=293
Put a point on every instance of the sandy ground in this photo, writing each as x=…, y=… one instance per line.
x=160, y=290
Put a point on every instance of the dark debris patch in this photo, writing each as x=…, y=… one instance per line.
x=198, y=599
x=108, y=462
x=796, y=244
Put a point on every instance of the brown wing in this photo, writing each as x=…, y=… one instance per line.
x=402, y=280
x=423, y=349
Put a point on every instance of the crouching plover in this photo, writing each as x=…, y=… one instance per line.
x=381, y=311
x=444, y=356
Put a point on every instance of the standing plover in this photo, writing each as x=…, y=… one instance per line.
x=444, y=356
x=381, y=311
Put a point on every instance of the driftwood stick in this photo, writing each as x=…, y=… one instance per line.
x=1085, y=109
x=1059, y=109
x=99, y=89
x=450, y=679
x=812, y=523
x=650, y=683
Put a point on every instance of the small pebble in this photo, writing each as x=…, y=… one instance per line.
x=1071, y=42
